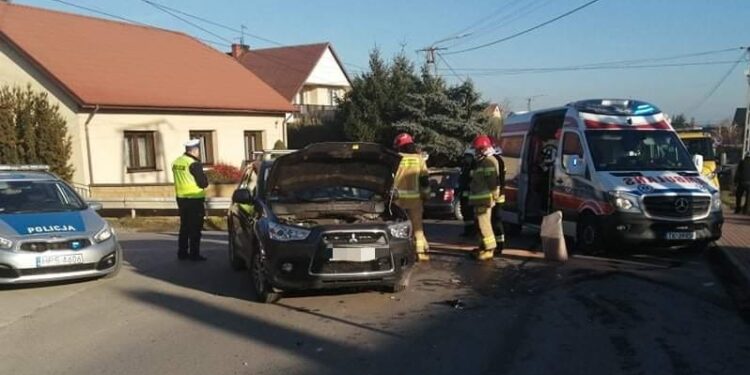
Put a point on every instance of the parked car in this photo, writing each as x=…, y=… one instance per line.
x=444, y=201
x=48, y=233
x=321, y=218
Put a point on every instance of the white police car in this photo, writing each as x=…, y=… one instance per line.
x=48, y=233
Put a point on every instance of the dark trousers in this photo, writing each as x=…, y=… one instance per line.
x=192, y=212
x=743, y=190
x=497, y=225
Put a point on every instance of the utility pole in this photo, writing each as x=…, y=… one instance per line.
x=746, y=137
x=242, y=34
x=529, y=99
x=429, y=53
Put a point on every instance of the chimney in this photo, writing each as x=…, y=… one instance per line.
x=239, y=49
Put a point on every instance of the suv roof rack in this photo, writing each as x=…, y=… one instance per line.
x=268, y=154
x=24, y=167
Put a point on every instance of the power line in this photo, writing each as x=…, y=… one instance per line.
x=584, y=68
x=167, y=11
x=225, y=27
x=716, y=87
x=525, y=31
x=450, y=67
x=128, y=20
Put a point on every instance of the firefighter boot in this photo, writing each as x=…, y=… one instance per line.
x=483, y=255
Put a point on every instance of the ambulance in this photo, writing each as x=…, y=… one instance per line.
x=616, y=170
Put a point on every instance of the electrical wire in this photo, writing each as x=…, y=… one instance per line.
x=526, y=31
x=114, y=16
x=716, y=87
x=173, y=14
x=613, y=67
x=225, y=27
x=451, y=68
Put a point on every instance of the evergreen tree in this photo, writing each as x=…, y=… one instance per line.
x=32, y=131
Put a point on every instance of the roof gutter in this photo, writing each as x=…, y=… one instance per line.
x=189, y=109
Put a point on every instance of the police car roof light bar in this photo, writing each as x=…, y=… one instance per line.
x=24, y=167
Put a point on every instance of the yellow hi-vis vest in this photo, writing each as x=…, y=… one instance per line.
x=184, y=182
x=484, y=188
x=410, y=170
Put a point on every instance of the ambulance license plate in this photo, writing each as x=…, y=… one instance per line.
x=681, y=235
x=58, y=260
x=353, y=254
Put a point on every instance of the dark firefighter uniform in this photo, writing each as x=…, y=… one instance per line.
x=484, y=192
x=464, y=181
x=497, y=211
x=189, y=185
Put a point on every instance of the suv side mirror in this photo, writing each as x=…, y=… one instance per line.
x=698, y=161
x=242, y=196
x=574, y=165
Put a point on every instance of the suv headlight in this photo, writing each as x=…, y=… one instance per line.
x=5, y=244
x=104, y=234
x=624, y=202
x=400, y=230
x=283, y=233
x=716, y=201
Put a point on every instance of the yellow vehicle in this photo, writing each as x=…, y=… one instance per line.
x=701, y=142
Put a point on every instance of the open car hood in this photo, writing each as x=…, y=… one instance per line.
x=362, y=165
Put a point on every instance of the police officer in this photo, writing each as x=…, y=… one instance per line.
x=464, y=181
x=189, y=184
x=412, y=186
x=497, y=211
x=484, y=192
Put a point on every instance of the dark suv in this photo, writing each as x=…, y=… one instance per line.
x=321, y=218
x=444, y=201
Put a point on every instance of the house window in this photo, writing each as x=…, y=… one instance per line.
x=206, y=146
x=253, y=143
x=140, y=154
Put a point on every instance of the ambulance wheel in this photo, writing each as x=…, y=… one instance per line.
x=589, y=235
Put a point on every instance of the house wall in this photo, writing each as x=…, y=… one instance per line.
x=16, y=70
x=320, y=95
x=106, y=133
x=327, y=72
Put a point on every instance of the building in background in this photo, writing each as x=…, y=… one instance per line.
x=311, y=77
x=132, y=95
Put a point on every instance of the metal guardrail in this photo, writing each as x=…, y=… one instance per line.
x=135, y=204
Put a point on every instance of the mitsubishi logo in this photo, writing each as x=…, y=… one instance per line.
x=681, y=205
x=353, y=239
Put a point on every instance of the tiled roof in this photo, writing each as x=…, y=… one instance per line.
x=119, y=65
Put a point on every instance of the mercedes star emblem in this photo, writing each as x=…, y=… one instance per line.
x=681, y=205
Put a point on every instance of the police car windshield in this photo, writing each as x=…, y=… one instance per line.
x=634, y=150
x=37, y=196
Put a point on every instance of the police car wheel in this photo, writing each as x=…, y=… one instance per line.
x=118, y=263
x=235, y=260
x=263, y=290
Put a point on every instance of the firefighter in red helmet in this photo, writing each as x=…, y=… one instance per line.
x=412, y=186
x=484, y=191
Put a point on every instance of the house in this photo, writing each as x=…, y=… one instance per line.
x=132, y=95
x=494, y=110
x=311, y=77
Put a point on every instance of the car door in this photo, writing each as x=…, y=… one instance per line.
x=569, y=192
x=244, y=214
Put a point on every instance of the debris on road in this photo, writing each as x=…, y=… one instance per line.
x=456, y=304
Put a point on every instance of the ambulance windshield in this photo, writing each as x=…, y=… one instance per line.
x=634, y=150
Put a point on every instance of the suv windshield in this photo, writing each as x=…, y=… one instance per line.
x=634, y=150
x=37, y=196
x=701, y=146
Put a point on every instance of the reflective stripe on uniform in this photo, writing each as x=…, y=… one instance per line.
x=488, y=242
x=500, y=238
x=477, y=197
x=500, y=199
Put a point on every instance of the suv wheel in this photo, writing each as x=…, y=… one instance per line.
x=262, y=288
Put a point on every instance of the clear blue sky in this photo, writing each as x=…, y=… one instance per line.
x=609, y=30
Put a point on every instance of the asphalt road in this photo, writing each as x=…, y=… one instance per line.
x=654, y=312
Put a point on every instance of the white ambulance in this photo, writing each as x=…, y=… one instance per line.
x=615, y=168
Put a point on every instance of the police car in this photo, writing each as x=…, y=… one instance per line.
x=48, y=233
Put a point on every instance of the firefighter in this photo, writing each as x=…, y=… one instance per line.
x=484, y=192
x=190, y=183
x=412, y=187
x=497, y=211
x=464, y=181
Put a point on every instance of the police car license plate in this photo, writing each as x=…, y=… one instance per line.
x=681, y=235
x=353, y=254
x=58, y=260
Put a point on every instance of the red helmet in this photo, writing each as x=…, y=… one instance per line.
x=402, y=139
x=482, y=142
